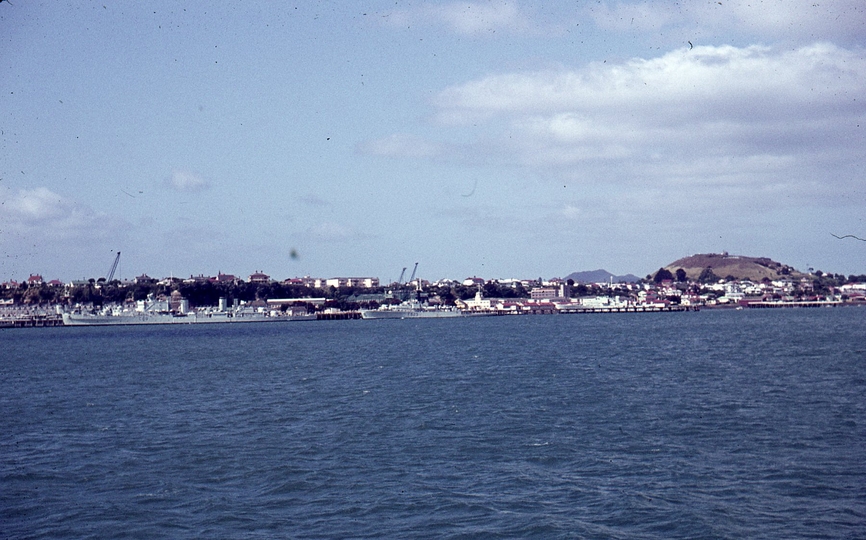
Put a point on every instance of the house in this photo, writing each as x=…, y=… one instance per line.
x=35, y=280
x=259, y=277
x=144, y=279
x=225, y=278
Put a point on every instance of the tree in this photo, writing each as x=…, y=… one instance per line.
x=663, y=274
x=708, y=276
x=681, y=275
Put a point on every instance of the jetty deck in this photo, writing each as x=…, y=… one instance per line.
x=338, y=316
x=793, y=304
x=32, y=321
x=626, y=309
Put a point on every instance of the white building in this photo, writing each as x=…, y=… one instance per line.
x=362, y=282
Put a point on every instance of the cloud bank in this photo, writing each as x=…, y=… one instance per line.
x=42, y=216
x=704, y=115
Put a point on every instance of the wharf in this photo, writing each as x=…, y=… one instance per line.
x=338, y=315
x=794, y=304
x=628, y=309
x=31, y=321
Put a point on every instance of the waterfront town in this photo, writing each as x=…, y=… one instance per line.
x=40, y=302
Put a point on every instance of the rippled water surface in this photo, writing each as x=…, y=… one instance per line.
x=716, y=424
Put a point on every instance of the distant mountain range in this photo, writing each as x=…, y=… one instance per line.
x=600, y=276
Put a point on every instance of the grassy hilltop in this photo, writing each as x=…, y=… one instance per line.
x=724, y=265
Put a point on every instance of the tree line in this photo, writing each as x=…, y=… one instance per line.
x=208, y=293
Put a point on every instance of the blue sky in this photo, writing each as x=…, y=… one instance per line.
x=497, y=139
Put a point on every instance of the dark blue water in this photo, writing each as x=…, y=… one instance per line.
x=734, y=424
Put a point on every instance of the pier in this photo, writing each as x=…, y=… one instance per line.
x=32, y=321
x=338, y=315
x=627, y=309
x=792, y=304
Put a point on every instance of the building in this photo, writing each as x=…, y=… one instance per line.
x=540, y=293
x=144, y=279
x=225, y=278
x=201, y=278
x=260, y=277
x=360, y=282
x=479, y=303
x=561, y=291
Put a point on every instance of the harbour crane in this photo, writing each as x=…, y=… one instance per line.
x=411, y=279
x=113, y=268
x=401, y=276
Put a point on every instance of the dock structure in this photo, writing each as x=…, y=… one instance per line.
x=338, y=315
x=31, y=321
x=793, y=304
x=626, y=309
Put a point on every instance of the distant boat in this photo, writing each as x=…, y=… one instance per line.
x=411, y=309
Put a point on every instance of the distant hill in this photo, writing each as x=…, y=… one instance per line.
x=600, y=276
x=737, y=266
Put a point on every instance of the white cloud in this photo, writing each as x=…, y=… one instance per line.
x=40, y=215
x=329, y=231
x=467, y=18
x=478, y=17
x=571, y=212
x=187, y=181
x=704, y=115
x=634, y=16
x=831, y=19
x=720, y=80
x=840, y=21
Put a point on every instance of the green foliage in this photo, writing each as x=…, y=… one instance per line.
x=663, y=274
x=708, y=276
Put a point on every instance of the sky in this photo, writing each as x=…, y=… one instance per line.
x=499, y=139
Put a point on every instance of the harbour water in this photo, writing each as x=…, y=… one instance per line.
x=716, y=424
